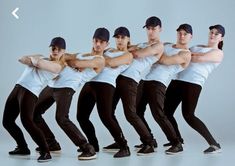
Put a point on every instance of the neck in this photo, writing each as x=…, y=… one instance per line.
x=93, y=52
x=122, y=49
x=182, y=46
x=212, y=45
x=156, y=40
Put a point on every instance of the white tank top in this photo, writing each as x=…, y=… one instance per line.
x=71, y=78
x=197, y=73
x=164, y=73
x=108, y=74
x=140, y=67
x=35, y=79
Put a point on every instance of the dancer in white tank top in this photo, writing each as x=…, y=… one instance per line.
x=24, y=96
x=188, y=85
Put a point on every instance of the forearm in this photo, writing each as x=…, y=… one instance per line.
x=94, y=63
x=181, y=58
x=26, y=61
x=204, y=59
x=50, y=66
x=68, y=56
x=120, y=60
x=167, y=60
x=156, y=49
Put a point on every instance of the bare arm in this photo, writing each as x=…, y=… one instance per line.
x=97, y=63
x=182, y=58
x=26, y=59
x=214, y=56
x=126, y=58
x=154, y=49
x=68, y=56
x=47, y=65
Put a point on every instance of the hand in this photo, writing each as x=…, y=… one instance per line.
x=25, y=60
x=134, y=54
x=34, y=60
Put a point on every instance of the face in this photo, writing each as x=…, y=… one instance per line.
x=183, y=37
x=153, y=32
x=215, y=36
x=122, y=41
x=99, y=45
x=56, y=52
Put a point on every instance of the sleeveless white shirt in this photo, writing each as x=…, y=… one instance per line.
x=35, y=79
x=140, y=66
x=197, y=73
x=71, y=78
x=108, y=74
x=164, y=73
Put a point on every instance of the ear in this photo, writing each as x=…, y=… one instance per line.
x=222, y=38
x=191, y=36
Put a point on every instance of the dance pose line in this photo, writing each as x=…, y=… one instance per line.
x=137, y=74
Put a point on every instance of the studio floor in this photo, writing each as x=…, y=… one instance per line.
x=191, y=156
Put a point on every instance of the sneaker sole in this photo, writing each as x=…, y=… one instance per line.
x=145, y=154
x=42, y=161
x=87, y=158
x=111, y=150
x=19, y=154
x=214, y=152
x=172, y=153
x=137, y=149
x=56, y=151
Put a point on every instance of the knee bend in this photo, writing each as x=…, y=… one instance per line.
x=27, y=123
x=37, y=118
x=6, y=123
x=188, y=117
x=61, y=121
x=130, y=117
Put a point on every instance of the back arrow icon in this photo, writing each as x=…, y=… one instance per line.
x=14, y=13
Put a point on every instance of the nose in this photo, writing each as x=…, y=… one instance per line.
x=98, y=43
x=119, y=39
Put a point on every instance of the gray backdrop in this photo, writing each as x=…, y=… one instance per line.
x=75, y=20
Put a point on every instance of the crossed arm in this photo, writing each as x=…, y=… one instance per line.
x=214, y=56
x=37, y=61
x=182, y=58
x=153, y=49
x=124, y=59
x=97, y=63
